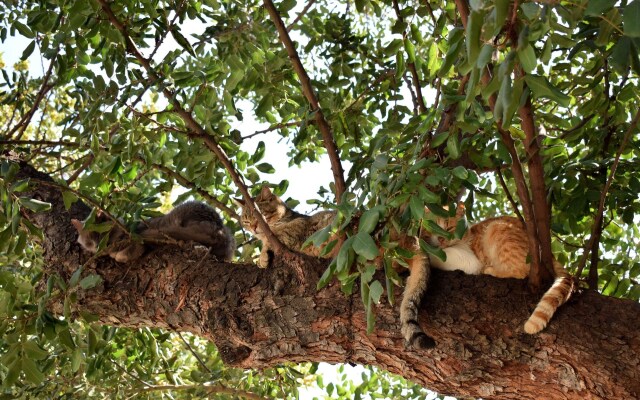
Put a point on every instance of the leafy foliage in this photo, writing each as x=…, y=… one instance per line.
x=100, y=122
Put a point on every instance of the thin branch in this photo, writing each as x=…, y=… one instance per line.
x=508, y=194
x=567, y=132
x=412, y=66
x=300, y=15
x=186, y=183
x=123, y=369
x=195, y=354
x=44, y=88
x=274, y=128
x=198, y=132
x=592, y=245
x=82, y=168
x=307, y=90
x=208, y=388
x=380, y=78
x=48, y=143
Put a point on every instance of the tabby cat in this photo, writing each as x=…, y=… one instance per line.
x=293, y=229
x=190, y=221
x=499, y=247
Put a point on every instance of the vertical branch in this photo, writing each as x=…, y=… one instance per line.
x=516, y=169
x=307, y=90
x=197, y=131
x=508, y=194
x=415, y=78
x=594, y=240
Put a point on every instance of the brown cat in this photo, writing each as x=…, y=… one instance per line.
x=499, y=247
x=190, y=221
x=293, y=229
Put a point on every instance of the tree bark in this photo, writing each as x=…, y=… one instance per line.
x=257, y=318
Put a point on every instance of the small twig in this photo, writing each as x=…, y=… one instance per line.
x=195, y=354
x=123, y=369
x=385, y=74
x=412, y=66
x=44, y=88
x=186, y=183
x=274, y=128
x=301, y=14
x=307, y=90
x=83, y=167
x=208, y=388
x=508, y=194
x=567, y=132
x=48, y=143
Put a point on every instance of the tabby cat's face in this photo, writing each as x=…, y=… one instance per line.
x=270, y=206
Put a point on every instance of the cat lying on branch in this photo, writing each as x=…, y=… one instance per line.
x=190, y=221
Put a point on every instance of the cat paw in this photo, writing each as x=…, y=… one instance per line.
x=422, y=341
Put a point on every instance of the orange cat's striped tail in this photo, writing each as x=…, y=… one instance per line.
x=553, y=298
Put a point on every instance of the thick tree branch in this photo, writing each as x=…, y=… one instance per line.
x=258, y=318
x=309, y=94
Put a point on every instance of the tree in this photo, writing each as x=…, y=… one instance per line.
x=534, y=111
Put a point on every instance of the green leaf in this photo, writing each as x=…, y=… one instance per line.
x=460, y=172
x=416, y=205
x=90, y=281
x=68, y=198
x=266, y=168
x=453, y=146
x=433, y=250
x=597, y=7
x=23, y=29
x=34, y=205
x=501, y=9
x=474, y=27
x=541, y=87
x=410, y=49
x=527, y=57
x=33, y=351
x=375, y=291
x=326, y=275
x=461, y=228
x=27, y=52
x=345, y=256
x=364, y=245
x=631, y=19
x=31, y=371
x=369, y=220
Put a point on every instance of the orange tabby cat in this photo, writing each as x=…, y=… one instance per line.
x=499, y=247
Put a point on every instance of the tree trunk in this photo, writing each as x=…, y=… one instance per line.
x=259, y=318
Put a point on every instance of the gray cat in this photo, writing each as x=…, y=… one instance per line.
x=190, y=221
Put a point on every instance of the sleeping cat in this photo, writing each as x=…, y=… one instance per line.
x=190, y=221
x=293, y=229
x=499, y=247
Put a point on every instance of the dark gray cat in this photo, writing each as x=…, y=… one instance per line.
x=190, y=221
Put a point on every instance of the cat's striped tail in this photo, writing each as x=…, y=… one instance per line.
x=414, y=291
x=553, y=298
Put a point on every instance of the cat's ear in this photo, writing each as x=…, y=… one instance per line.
x=265, y=193
x=77, y=224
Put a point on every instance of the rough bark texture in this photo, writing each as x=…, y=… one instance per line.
x=260, y=318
